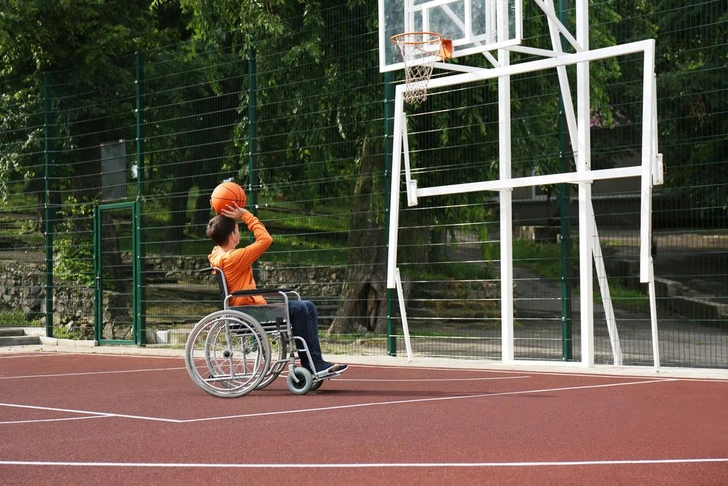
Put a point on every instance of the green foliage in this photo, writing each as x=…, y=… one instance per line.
x=16, y=318
x=308, y=118
x=544, y=258
x=319, y=95
x=490, y=250
x=73, y=257
x=78, y=41
x=691, y=66
x=306, y=252
x=73, y=260
x=628, y=299
x=61, y=332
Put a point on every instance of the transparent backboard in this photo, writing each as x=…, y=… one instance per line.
x=474, y=26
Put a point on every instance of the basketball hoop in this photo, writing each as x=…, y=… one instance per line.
x=420, y=51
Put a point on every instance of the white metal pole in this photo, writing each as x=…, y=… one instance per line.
x=606, y=296
x=394, y=187
x=480, y=74
x=403, y=315
x=652, y=172
x=409, y=183
x=506, y=207
x=648, y=137
x=653, y=318
x=586, y=221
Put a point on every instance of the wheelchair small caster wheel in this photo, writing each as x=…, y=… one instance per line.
x=299, y=381
x=316, y=385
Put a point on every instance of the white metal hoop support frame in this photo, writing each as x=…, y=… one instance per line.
x=650, y=172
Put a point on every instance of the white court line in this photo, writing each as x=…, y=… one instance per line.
x=86, y=373
x=66, y=354
x=108, y=415
x=86, y=412
x=38, y=421
x=337, y=407
x=421, y=400
x=429, y=380
x=616, y=462
x=615, y=373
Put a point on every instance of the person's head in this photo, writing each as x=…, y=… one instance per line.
x=220, y=229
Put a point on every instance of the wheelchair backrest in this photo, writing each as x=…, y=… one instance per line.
x=221, y=284
x=272, y=314
x=221, y=281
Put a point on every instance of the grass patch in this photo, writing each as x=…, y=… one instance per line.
x=450, y=271
x=627, y=299
x=543, y=258
x=16, y=318
x=288, y=249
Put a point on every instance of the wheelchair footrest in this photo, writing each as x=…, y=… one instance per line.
x=326, y=374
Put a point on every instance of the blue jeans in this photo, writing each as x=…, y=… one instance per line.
x=304, y=321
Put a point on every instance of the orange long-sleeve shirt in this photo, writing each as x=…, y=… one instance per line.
x=237, y=263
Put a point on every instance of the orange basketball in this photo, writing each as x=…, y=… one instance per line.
x=227, y=193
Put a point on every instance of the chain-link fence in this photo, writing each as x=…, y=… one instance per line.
x=106, y=178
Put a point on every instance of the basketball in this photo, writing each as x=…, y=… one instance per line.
x=227, y=193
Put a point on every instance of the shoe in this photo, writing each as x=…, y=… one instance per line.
x=334, y=369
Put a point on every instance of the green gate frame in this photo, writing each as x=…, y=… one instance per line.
x=138, y=322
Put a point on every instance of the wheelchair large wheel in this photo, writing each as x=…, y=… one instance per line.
x=227, y=354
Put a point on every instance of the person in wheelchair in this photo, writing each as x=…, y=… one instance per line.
x=236, y=264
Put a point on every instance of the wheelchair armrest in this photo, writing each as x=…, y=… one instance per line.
x=240, y=293
x=264, y=291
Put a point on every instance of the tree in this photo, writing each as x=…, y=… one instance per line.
x=78, y=42
x=363, y=296
x=314, y=125
x=88, y=47
x=289, y=35
x=692, y=102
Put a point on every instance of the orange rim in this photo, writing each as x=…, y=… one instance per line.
x=400, y=38
x=445, y=44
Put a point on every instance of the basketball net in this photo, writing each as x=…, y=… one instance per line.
x=420, y=51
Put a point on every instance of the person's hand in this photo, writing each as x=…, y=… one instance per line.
x=233, y=211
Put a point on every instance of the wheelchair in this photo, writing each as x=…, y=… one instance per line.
x=238, y=349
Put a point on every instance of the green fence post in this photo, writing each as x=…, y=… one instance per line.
x=252, y=189
x=47, y=202
x=140, y=315
x=98, y=293
x=252, y=115
x=564, y=201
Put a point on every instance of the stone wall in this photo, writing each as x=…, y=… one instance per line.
x=23, y=287
x=309, y=281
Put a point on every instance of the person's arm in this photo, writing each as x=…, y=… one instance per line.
x=263, y=239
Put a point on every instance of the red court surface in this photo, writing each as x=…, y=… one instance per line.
x=94, y=418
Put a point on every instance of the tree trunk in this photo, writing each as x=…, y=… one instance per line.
x=363, y=305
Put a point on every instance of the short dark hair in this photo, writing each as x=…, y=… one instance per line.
x=220, y=228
